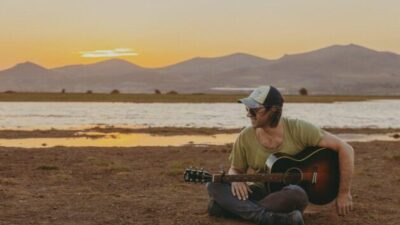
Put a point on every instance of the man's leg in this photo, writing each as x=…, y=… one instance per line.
x=246, y=209
x=290, y=198
x=251, y=209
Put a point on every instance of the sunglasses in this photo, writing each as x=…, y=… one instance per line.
x=253, y=111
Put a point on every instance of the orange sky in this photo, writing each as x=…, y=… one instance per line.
x=55, y=33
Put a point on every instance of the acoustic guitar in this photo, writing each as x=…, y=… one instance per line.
x=314, y=169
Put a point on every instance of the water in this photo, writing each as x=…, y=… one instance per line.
x=120, y=140
x=29, y=115
x=139, y=139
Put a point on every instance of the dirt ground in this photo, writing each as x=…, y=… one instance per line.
x=144, y=186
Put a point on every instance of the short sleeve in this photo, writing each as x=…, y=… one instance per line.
x=238, y=155
x=308, y=134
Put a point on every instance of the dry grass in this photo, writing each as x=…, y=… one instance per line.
x=144, y=185
x=177, y=167
x=48, y=167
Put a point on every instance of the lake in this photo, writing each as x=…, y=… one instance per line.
x=30, y=115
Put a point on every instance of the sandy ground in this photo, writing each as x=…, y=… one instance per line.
x=144, y=186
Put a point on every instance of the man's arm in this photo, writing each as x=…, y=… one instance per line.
x=239, y=189
x=344, y=201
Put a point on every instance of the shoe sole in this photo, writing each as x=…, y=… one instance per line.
x=297, y=218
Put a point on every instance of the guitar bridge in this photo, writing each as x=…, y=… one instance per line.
x=314, y=176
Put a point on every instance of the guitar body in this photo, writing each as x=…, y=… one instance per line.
x=315, y=169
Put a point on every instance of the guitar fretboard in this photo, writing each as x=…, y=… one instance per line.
x=275, y=177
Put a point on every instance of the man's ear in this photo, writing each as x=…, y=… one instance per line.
x=274, y=109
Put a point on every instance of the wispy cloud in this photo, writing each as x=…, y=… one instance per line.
x=109, y=53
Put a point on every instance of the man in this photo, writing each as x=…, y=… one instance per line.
x=268, y=134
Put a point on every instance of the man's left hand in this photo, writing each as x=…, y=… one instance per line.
x=344, y=203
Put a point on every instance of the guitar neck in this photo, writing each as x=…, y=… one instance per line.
x=276, y=177
x=271, y=178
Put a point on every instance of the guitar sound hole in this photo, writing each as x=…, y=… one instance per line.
x=293, y=176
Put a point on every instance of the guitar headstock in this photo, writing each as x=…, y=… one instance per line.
x=197, y=176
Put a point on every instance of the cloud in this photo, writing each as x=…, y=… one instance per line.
x=109, y=53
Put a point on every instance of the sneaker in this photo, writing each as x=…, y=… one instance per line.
x=293, y=218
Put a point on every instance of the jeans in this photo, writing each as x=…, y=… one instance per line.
x=291, y=197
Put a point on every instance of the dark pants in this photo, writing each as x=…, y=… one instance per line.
x=290, y=198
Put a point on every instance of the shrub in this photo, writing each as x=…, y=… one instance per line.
x=115, y=91
x=172, y=93
x=303, y=91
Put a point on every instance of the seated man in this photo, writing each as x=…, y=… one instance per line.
x=268, y=134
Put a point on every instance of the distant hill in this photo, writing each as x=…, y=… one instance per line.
x=29, y=77
x=349, y=69
x=209, y=66
x=338, y=69
x=104, y=68
x=27, y=70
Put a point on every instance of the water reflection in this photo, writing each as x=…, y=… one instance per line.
x=142, y=139
x=120, y=140
x=368, y=137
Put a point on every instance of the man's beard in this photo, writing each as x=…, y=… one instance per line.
x=261, y=124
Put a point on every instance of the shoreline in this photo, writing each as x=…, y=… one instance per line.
x=98, y=132
x=175, y=98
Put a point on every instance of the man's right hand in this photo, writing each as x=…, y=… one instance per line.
x=241, y=190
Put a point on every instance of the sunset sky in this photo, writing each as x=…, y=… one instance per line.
x=154, y=33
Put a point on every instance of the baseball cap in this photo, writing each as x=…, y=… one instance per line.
x=263, y=96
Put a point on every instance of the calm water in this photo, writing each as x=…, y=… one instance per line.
x=138, y=139
x=27, y=115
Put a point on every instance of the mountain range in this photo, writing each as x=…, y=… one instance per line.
x=338, y=69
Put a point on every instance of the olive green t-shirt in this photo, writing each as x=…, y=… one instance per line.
x=248, y=152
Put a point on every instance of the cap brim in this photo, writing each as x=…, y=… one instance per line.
x=250, y=103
